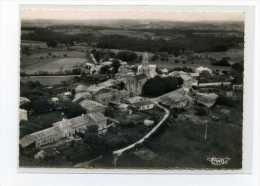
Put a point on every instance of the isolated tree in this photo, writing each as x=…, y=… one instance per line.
x=52, y=43
x=115, y=64
x=238, y=67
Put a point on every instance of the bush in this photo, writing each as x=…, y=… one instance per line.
x=184, y=69
x=71, y=109
x=223, y=100
x=41, y=105
x=223, y=62
x=201, y=111
x=238, y=67
x=127, y=56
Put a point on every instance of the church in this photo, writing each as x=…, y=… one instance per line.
x=134, y=82
x=145, y=68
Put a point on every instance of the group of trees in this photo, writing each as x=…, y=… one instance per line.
x=158, y=86
x=171, y=46
x=53, y=38
x=222, y=62
x=104, y=55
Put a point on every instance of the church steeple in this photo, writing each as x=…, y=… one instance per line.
x=145, y=60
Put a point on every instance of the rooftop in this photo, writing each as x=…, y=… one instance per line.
x=90, y=105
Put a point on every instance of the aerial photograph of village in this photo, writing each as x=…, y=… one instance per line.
x=130, y=88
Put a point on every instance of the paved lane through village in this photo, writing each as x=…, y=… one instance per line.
x=119, y=152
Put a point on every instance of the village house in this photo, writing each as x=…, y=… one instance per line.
x=55, y=100
x=88, y=68
x=122, y=107
x=64, y=129
x=201, y=69
x=24, y=101
x=81, y=88
x=143, y=105
x=188, y=80
x=81, y=96
x=23, y=115
x=178, y=99
x=140, y=103
x=91, y=106
x=105, y=95
x=206, y=99
x=123, y=70
x=133, y=100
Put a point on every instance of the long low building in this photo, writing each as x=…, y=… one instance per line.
x=65, y=128
x=213, y=84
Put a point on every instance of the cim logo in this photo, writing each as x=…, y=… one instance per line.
x=217, y=161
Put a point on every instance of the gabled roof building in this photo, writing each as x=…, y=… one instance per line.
x=65, y=128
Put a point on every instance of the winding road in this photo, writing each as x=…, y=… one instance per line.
x=119, y=152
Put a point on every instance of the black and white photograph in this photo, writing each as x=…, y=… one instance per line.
x=131, y=87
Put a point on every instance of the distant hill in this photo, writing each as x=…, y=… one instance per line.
x=138, y=24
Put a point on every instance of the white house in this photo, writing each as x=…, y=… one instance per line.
x=144, y=105
x=23, y=115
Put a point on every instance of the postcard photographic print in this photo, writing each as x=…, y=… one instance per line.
x=131, y=88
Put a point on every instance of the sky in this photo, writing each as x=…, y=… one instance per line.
x=129, y=12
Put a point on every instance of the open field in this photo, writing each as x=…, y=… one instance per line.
x=236, y=55
x=47, y=55
x=54, y=65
